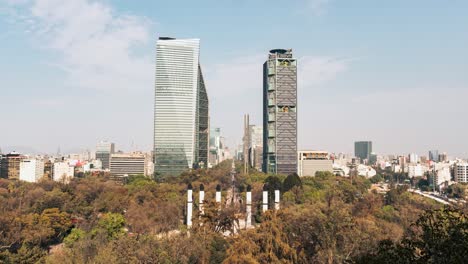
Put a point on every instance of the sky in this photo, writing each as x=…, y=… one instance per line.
x=75, y=72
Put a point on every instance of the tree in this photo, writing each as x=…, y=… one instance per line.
x=111, y=225
x=268, y=243
x=291, y=181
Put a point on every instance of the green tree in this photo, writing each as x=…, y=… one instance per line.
x=291, y=181
x=112, y=225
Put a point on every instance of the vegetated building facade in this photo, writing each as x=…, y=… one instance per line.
x=123, y=165
x=280, y=113
x=104, y=150
x=310, y=162
x=461, y=172
x=31, y=170
x=181, y=118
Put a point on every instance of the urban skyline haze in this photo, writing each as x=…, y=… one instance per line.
x=77, y=72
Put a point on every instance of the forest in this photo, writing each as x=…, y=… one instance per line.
x=323, y=219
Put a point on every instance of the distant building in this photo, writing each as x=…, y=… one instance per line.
x=104, y=150
x=373, y=158
x=363, y=149
x=181, y=114
x=415, y=171
x=443, y=157
x=31, y=170
x=310, y=162
x=365, y=171
x=434, y=155
x=11, y=166
x=461, y=172
x=128, y=164
x=256, y=147
x=280, y=113
x=413, y=158
x=63, y=172
x=443, y=177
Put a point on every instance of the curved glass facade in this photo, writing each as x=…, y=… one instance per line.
x=177, y=102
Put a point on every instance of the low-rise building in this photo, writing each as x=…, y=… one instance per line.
x=310, y=162
x=31, y=170
x=11, y=166
x=122, y=165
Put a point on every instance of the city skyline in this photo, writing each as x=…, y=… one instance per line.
x=362, y=82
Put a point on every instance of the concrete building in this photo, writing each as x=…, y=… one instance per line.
x=415, y=171
x=63, y=172
x=413, y=158
x=128, y=164
x=443, y=177
x=310, y=162
x=363, y=149
x=280, y=113
x=461, y=172
x=104, y=150
x=181, y=117
x=31, y=170
x=11, y=166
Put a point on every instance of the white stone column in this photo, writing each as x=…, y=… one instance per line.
x=189, y=206
x=265, y=199
x=277, y=199
x=218, y=194
x=201, y=199
x=248, y=220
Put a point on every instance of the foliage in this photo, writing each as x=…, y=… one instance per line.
x=293, y=180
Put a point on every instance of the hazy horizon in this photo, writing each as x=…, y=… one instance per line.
x=77, y=72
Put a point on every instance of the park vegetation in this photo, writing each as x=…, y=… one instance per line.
x=323, y=219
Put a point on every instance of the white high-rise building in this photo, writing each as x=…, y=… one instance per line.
x=181, y=126
x=461, y=172
x=31, y=170
x=63, y=172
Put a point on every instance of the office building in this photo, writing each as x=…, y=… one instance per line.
x=104, y=150
x=256, y=147
x=280, y=113
x=461, y=172
x=11, y=166
x=123, y=165
x=310, y=162
x=434, y=155
x=443, y=157
x=31, y=170
x=181, y=120
x=63, y=172
x=362, y=149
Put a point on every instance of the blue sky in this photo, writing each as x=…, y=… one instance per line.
x=394, y=72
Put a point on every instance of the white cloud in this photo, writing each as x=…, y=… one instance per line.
x=314, y=70
x=95, y=44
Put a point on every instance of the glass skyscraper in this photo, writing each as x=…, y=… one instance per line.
x=363, y=149
x=280, y=113
x=181, y=125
